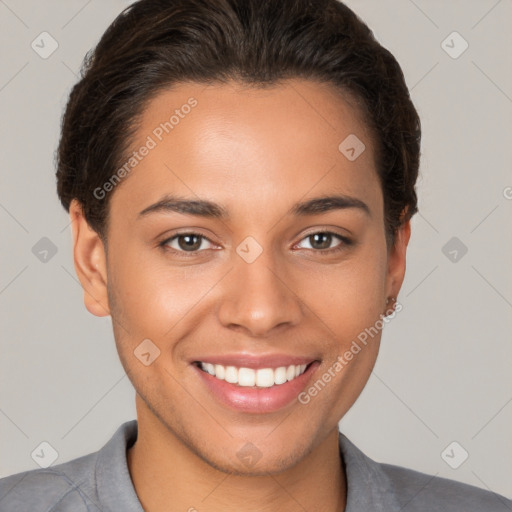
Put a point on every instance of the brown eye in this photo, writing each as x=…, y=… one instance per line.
x=320, y=240
x=189, y=242
x=186, y=242
x=323, y=241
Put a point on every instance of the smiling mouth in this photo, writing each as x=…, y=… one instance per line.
x=249, y=377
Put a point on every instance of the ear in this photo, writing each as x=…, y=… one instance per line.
x=90, y=261
x=396, y=260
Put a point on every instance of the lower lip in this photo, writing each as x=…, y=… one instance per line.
x=257, y=400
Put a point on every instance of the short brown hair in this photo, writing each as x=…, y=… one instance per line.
x=153, y=44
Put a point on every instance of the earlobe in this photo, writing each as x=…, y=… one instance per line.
x=397, y=259
x=90, y=262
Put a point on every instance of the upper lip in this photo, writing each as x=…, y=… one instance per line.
x=245, y=360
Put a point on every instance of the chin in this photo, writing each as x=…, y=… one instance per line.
x=252, y=462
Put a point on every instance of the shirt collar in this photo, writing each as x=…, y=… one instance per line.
x=113, y=481
x=368, y=487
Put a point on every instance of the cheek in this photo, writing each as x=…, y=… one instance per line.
x=348, y=306
x=152, y=299
x=348, y=297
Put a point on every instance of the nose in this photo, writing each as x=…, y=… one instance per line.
x=258, y=299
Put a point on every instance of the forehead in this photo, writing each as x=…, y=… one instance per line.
x=230, y=141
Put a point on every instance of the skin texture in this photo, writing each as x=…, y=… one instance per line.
x=256, y=152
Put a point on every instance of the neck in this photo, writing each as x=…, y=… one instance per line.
x=169, y=477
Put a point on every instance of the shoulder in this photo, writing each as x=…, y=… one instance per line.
x=90, y=483
x=418, y=491
x=64, y=487
x=385, y=487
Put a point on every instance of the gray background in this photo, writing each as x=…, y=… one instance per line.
x=443, y=374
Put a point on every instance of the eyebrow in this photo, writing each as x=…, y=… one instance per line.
x=208, y=209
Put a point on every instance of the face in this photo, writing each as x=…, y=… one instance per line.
x=247, y=245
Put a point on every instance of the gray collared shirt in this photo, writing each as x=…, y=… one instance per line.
x=101, y=481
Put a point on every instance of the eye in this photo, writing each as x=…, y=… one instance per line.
x=322, y=241
x=187, y=242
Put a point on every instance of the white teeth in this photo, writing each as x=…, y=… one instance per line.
x=265, y=377
x=280, y=375
x=220, y=372
x=231, y=374
x=210, y=368
x=247, y=377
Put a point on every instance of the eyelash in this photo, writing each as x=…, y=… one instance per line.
x=345, y=242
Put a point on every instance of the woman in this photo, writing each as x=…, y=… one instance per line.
x=240, y=176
